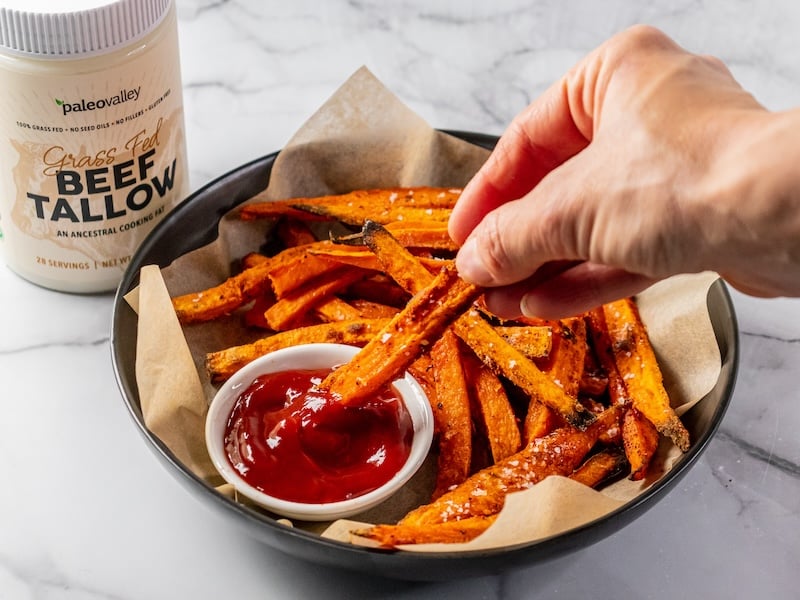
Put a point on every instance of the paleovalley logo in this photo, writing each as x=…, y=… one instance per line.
x=85, y=105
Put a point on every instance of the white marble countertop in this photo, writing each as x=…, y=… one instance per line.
x=88, y=513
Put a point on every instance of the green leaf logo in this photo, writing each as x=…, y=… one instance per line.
x=59, y=102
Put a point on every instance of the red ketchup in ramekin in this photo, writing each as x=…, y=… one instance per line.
x=292, y=440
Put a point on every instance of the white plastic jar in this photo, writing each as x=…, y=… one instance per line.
x=92, y=139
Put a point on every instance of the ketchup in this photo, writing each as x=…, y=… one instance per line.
x=292, y=440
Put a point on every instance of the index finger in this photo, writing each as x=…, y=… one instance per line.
x=539, y=139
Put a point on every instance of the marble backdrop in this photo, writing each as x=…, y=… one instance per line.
x=87, y=513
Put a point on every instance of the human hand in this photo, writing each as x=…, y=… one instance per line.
x=642, y=162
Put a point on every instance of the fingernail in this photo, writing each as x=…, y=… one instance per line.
x=470, y=265
x=525, y=306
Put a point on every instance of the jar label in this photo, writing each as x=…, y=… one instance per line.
x=89, y=163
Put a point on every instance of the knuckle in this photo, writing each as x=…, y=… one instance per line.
x=643, y=36
x=632, y=47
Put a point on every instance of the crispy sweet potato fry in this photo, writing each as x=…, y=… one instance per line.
x=302, y=262
x=355, y=215
x=379, y=289
x=568, y=354
x=504, y=359
x=223, y=299
x=423, y=320
x=373, y=310
x=634, y=356
x=366, y=201
x=565, y=367
x=449, y=532
x=275, y=210
x=294, y=305
x=532, y=341
x=540, y=420
x=251, y=259
x=289, y=274
x=600, y=467
x=293, y=232
x=598, y=332
x=252, y=282
x=593, y=383
x=490, y=347
x=365, y=259
x=422, y=370
x=640, y=440
x=423, y=235
x=224, y=363
x=336, y=309
x=451, y=414
x=484, y=493
x=492, y=409
x=432, y=235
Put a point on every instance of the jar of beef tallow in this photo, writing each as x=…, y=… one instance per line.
x=92, y=139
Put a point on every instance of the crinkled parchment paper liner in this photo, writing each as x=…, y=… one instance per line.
x=364, y=137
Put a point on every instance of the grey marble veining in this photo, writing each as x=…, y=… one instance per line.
x=86, y=512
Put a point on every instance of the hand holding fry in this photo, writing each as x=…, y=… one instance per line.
x=603, y=172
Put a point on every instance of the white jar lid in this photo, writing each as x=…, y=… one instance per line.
x=74, y=28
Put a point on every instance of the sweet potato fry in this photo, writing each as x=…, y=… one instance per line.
x=603, y=350
x=283, y=268
x=378, y=289
x=294, y=305
x=422, y=370
x=634, y=356
x=366, y=201
x=355, y=215
x=490, y=347
x=222, y=364
x=302, y=262
x=492, y=409
x=423, y=320
x=223, y=299
x=336, y=309
x=293, y=232
x=365, y=259
x=600, y=467
x=373, y=310
x=565, y=367
x=540, y=420
x=275, y=210
x=450, y=532
x=451, y=414
x=532, y=341
x=484, y=493
x=640, y=441
x=593, y=383
x=568, y=354
x=424, y=235
x=504, y=359
x=251, y=259
x=289, y=274
x=431, y=235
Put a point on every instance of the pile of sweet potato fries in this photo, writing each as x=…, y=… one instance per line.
x=513, y=402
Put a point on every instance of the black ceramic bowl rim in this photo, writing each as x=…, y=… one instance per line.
x=198, y=216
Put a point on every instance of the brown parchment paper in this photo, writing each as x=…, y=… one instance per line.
x=364, y=137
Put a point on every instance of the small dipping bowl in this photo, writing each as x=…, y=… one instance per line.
x=314, y=356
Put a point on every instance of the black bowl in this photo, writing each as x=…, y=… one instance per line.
x=196, y=220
